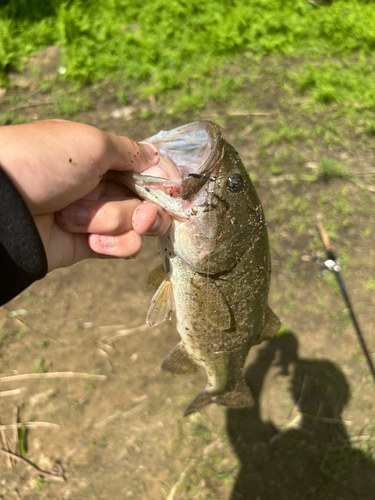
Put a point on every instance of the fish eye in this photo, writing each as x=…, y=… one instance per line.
x=234, y=183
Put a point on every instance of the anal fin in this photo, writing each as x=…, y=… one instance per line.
x=178, y=361
x=271, y=326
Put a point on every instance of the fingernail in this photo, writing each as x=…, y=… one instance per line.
x=152, y=151
x=80, y=215
x=107, y=241
x=156, y=225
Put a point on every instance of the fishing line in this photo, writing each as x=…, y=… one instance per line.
x=207, y=278
x=209, y=204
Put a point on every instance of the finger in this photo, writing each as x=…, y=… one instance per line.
x=128, y=155
x=81, y=251
x=125, y=245
x=116, y=189
x=109, y=188
x=150, y=219
x=102, y=217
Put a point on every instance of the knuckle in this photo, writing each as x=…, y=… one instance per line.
x=116, y=217
x=113, y=218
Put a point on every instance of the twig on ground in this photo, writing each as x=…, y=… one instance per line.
x=363, y=186
x=296, y=406
x=145, y=490
x=246, y=130
x=300, y=428
x=27, y=376
x=312, y=178
x=122, y=414
x=125, y=333
x=287, y=177
x=209, y=449
x=72, y=452
x=109, y=328
x=172, y=494
x=112, y=417
x=24, y=106
x=21, y=323
x=27, y=327
x=13, y=392
x=5, y=444
x=239, y=112
x=15, y=431
x=294, y=424
x=106, y=357
x=364, y=173
x=106, y=347
x=31, y=425
x=327, y=419
x=39, y=472
x=362, y=438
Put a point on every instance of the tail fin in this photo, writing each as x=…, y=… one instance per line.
x=239, y=397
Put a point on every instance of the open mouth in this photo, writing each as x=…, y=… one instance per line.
x=188, y=158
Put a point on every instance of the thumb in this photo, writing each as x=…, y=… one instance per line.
x=128, y=155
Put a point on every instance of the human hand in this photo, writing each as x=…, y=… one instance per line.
x=62, y=170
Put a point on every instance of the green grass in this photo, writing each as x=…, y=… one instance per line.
x=179, y=51
x=40, y=484
x=41, y=366
x=329, y=168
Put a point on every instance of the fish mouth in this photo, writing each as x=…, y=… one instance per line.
x=189, y=157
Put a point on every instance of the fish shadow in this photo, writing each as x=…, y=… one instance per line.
x=312, y=456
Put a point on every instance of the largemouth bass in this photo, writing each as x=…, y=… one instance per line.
x=216, y=259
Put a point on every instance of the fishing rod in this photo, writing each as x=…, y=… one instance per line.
x=333, y=265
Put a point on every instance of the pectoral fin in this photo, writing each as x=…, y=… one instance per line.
x=178, y=361
x=271, y=326
x=162, y=304
x=211, y=302
x=156, y=277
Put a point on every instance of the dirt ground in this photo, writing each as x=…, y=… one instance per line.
x=311, y=431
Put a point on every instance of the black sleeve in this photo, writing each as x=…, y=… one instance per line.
x=22, y=256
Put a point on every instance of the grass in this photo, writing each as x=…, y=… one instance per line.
x=41, y=366
x=329, y=168
x=210, y=469
x=180, y=51
x=40, y=484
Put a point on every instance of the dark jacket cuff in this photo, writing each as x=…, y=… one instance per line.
x=22, y=256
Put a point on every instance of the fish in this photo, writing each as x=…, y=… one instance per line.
x=216, y=264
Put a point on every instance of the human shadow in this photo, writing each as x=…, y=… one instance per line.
x=312, y=457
